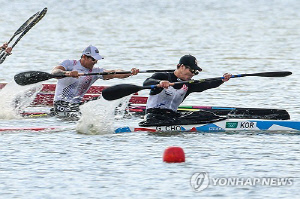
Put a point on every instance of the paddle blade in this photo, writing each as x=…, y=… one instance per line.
x=280, y=74
x=31, y=77
x=25, y=25
x=119, y=91
x=271, y=74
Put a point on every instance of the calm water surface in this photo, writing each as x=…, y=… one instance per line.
x=239, y=36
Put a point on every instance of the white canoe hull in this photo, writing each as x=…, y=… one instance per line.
x=228, y=125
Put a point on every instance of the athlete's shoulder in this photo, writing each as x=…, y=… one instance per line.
x=69, y=62
x=160, y=76
x=98, y=70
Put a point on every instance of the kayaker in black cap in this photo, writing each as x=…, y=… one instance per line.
x=164, y=101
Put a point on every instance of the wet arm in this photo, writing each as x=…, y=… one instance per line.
x=134, y=71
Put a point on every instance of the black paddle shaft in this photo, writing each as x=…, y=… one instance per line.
x=32, y=77
x=122, y=90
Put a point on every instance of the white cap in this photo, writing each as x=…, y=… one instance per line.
x=92, y=51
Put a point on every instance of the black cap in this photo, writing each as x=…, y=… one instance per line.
x=190, y=60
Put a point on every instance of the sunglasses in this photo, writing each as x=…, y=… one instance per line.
x=193, y=71
x=91, y=58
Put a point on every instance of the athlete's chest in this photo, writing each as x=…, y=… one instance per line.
x=171, y=91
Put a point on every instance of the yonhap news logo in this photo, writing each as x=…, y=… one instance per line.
x=201, y=180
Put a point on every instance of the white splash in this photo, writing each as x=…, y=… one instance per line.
x=98, y=116
x=15, y=98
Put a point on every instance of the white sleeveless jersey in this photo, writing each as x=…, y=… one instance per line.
x=169, y=98
x=71, y=89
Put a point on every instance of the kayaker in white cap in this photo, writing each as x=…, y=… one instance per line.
x=70, y=91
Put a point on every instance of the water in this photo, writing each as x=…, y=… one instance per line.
x=231, y=36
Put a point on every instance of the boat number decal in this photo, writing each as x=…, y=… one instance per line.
x=168, y=128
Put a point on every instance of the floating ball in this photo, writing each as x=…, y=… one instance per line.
x=174, y=154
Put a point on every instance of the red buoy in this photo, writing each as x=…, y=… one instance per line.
x=174, y=154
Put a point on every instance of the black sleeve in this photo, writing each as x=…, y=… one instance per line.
x=155, y=79
x=199, y=87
